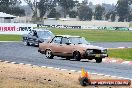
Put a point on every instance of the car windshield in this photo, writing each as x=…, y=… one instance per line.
x=45, y=34
x=78, y=40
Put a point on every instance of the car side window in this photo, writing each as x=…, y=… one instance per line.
x=64, y=40
x=35, y=33
x=31, y=33
x=57, y=40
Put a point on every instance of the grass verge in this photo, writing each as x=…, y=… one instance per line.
x=4, y=37
x=98, y=35
x=125, y=54
x=90, y=35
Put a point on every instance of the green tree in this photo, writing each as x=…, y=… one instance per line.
x=54, y=14
x=130, y=18
x=85, y=13
x=10, y=7
x=46, y=5
x=72, y=14
x=99, y=12
x=4, y=6
x=66, y=5
x=10, y=3
x=107, y=16
x=4, y=2
x=129, y=2
x=32, y=4
x=113, y=15
x=122, y=8
x=17, y=11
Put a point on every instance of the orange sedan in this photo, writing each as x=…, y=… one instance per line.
x=75, y=47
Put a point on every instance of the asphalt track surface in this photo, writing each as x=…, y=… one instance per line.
x=19, y=53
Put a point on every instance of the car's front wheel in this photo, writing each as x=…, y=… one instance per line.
x=77, y=56
x=49, y=54
x=26, y=43
x=98, y=60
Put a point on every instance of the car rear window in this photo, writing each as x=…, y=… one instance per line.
x=78, y=40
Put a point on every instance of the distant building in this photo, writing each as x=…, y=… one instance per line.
x=6, y=18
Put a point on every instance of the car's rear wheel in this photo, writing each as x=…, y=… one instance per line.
x=90, y=59
x=98, y=60
x=77, y=56
x=49, y=54
x=68, y=58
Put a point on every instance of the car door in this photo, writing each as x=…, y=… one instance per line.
x=66, y=47
x=32, y=37
x=55, y=45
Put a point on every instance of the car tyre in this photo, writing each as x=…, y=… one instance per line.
x=98, y=60
x=49, y=54
x=68, y=58
x=26, y=43
x=77, y=56
x=90, y=59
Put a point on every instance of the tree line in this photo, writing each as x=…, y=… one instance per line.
x=84, y=12
x=47, y=8
x=11, y=7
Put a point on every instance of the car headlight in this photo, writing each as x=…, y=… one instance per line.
x=41, y=40
x=36, y=40
x=89, y=51
x=104, y=51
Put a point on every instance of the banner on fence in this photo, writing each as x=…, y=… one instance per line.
x=82, y=27
x=114, y=28
x=58, y=26
x=16, y=28
x=24, y=28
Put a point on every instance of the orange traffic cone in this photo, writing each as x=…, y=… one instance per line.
x=86, y=74
x=83, y=72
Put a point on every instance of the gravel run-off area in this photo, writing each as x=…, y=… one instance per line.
x=25, y=76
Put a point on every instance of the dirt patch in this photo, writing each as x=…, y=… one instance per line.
x=24, y=76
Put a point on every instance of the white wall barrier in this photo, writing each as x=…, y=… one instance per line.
x=83, y=27
x=24, y=28
x=58, y=26
x=89, y=27
x=130, y=29
x=16, y=28
x=114, y=28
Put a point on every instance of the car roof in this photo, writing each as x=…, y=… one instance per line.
x=67, y=36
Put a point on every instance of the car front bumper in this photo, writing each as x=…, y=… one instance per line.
x=96, y=55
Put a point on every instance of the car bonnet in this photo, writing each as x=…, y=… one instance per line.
x=90, y=46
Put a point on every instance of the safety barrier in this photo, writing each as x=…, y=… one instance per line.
x=24, y=28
